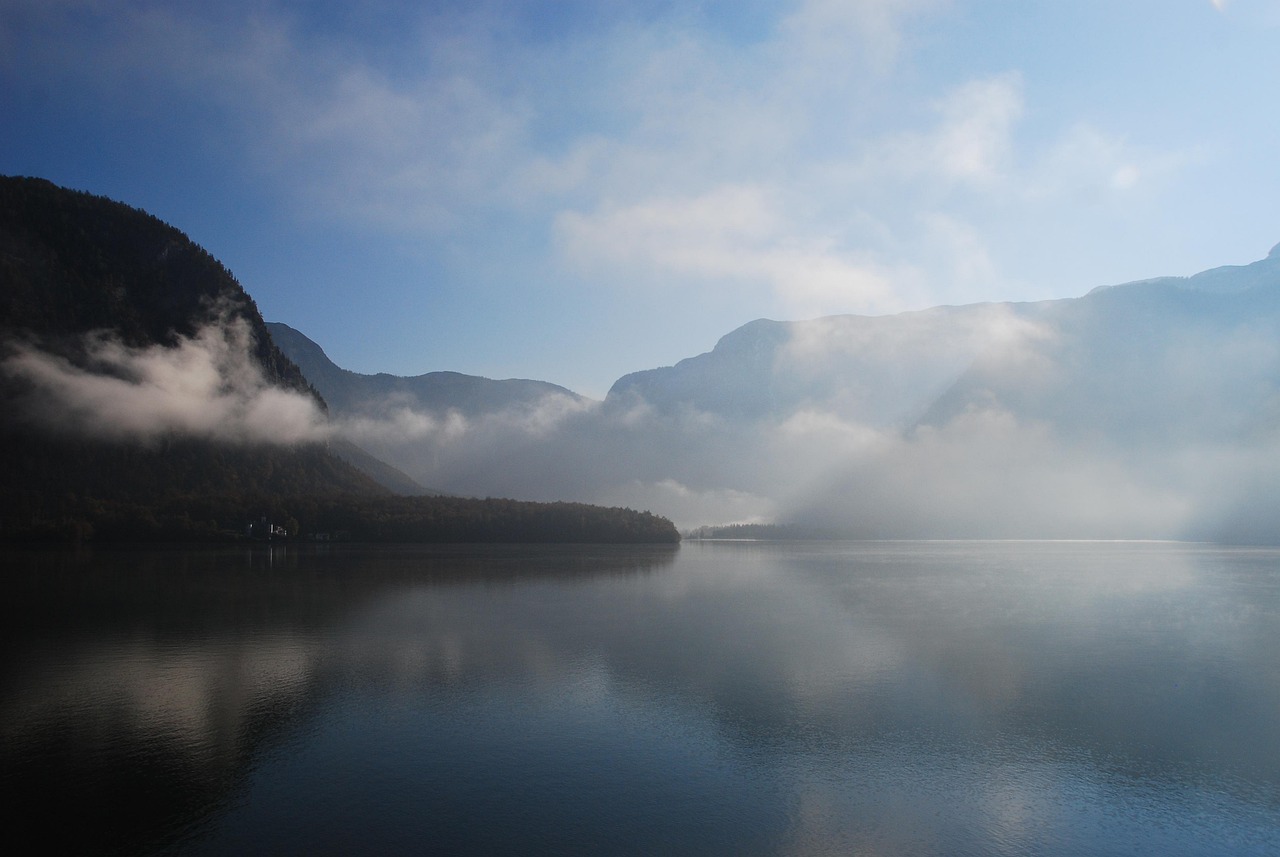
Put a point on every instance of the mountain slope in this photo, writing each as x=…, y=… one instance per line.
x=460, y=434
x=1162, y=355
x=1168, y=360
x=73, y=263
x=104, y=307
x=882, y=371
x=435, y=392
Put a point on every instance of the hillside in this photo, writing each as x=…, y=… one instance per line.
x=354, y=394
x=73, y=263
x=96, y=291
x=142, y=398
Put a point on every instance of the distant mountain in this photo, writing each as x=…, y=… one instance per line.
x=1089, y=362
x=460, y=434
x=351, y=393
x=1163, y=361
x=1145, y=410
x=882, y=371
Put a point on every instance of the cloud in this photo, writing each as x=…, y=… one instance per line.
x=205, y=386
x=828, y=31
x=989, y=474
x=397, y=424
x=971, y=142
x=731, y=234
x=1087, y=164
x=615, y=145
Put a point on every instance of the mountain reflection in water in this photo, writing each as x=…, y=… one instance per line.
x=905, y=698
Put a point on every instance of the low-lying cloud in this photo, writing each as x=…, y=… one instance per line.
x=206, y=386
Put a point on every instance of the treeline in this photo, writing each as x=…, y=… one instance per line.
x=71, y=489
x=74, y=518
x=459, y=519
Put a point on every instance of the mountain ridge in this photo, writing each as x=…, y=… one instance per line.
x=356, y=393
x=1147, y=409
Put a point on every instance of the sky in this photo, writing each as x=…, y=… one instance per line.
x=571, y=191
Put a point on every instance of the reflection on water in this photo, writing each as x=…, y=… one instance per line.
x=877, y=698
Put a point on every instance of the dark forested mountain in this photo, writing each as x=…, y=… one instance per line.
x=435, y=392
x=98, y=303
x=72, y=263
x=141, y=397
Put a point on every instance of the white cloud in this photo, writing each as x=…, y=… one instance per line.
x=404, y=424
x=733, y=234
x=823, y=31
x=974, y=141
x=205, y=386
x=1088, y=164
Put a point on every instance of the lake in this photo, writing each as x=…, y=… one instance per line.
x=903, y=698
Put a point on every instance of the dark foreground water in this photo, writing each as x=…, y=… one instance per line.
x=721, y=698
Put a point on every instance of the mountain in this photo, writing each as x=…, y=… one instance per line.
x=352, y=394
x=101, y=307
x=1155, y=362
x=460, y=434
x=142, y=397
x=393, y=479
x=1105, y=356
x=882, y=371
x=73, y=263
x=1149, y=409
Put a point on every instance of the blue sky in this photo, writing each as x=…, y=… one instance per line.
x=574, y=190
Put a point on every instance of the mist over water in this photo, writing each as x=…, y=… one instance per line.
x=908, y=698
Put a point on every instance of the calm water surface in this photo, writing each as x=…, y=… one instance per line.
x=716, y=698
